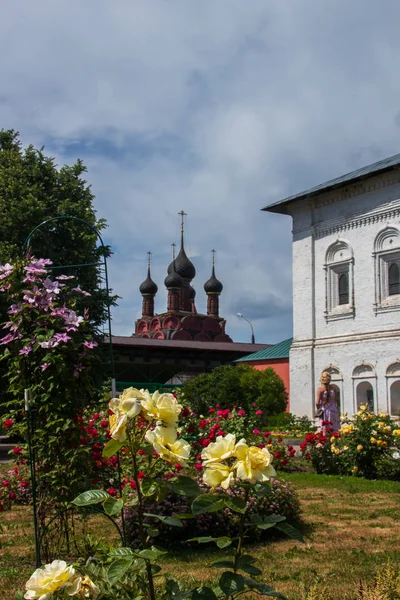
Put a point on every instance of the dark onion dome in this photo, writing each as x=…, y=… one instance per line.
x=173, y=280
x=192, y=293
x=148, y=287
x=213, y=285
x=183, y=266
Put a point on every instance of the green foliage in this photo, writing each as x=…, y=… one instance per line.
x=32, y=190
x=240, y=385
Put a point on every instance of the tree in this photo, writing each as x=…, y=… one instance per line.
x=32, y=190
x=241, y=386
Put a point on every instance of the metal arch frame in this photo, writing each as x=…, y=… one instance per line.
x=102, y=263
x=27, y=244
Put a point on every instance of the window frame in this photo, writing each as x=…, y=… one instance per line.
x=334, y=269
x=384, y=255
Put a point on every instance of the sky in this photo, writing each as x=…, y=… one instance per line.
x=214, y=107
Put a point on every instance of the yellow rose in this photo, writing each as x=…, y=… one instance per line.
x=373, y=440
x=379, y=443
x=166, y=444
x=254, y=464
x=345, y=448
x=388, y=429
x=161, y=407
x=354, y=470
x=49, y=579
x=337, y=451
x=333, y=448
x=396, y=432
x=127, y=406
x=221, y=449
x=85, y=588
x=359, y=447
x=118, y=427
x=218, y=475
x=384, y=444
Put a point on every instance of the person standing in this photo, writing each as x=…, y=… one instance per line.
x=327, y=408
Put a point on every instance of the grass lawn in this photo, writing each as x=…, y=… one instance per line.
x=352, y=526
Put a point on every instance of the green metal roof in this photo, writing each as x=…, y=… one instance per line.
x=280, y=350
x=382, y=165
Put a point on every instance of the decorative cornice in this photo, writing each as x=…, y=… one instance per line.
x=366, y=218
x=352, y=338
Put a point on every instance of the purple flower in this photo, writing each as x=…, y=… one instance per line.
x=51, y=343
x=7, y=339
x=65, y=277
x=62, y=337
x=51, y=287
x=80, y=291
x=90, y=345
x=44, y=366
x=78, y=369
x=26, y=349
x=6, y=270
x=38, y=267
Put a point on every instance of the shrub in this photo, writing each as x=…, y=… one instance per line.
x=366, y=446
x=282, y=500
x=229, y=386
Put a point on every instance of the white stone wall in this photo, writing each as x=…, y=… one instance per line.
x=354, y=215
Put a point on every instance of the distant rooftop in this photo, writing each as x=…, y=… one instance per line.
x=276, y=351
x=381, y=166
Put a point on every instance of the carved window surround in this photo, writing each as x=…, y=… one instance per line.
x=339, y=260
x=386, y=251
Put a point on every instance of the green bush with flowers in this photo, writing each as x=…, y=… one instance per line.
x=367, y=445
x=145, y=427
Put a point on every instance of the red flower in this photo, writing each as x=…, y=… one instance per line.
x=142, y=452
x=104, y=424
x=96, y=416
x=191, y=428
x=178, y=467
x=185, y=412
x=241, y=413
x=285, y=461
x=6, y=483
x=277, y=455
x=24, y=484
x=12, y=496
x=16, y=470
x=22, y=461
x=141, y=475
x=308, y=456
x=112, y=491
x=266, y=433
x=211, y=410
x=133, y=485
x=198, y=466
x=17, y=450
x=8, y=423
x=258, y=412
x=280, y=439
x=205, y=442
x=256, y=431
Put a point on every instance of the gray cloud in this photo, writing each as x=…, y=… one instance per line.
x=217, y=108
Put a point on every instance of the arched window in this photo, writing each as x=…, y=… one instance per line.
x=339, y=303
x=395, y=399
x=394, y=279
x=365, y=395
x=387, y=270
x=344, y=288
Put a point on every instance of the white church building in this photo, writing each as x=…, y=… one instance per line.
x=346, y=289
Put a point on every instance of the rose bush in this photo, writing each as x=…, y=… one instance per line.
x=368, y=445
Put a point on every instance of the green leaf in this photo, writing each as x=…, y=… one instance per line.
x=122, y=552
x=118, y=568
x=173, y=521
x=224, y=564
x=91, y=497
x=111, y=448
x=149, y=486
x=112, y=506
x=262, y=489
x=223, y=542
x=151, y=554
x=236, y=504
x=202, y=539
x=204, y=593
x=274, y=519
x=231, y=583
x=291, y=531
x=184, y=486
x=207, y=503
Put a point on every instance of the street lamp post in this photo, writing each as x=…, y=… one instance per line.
x=253, y=339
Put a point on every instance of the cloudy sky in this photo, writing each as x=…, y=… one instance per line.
x=216, y=107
